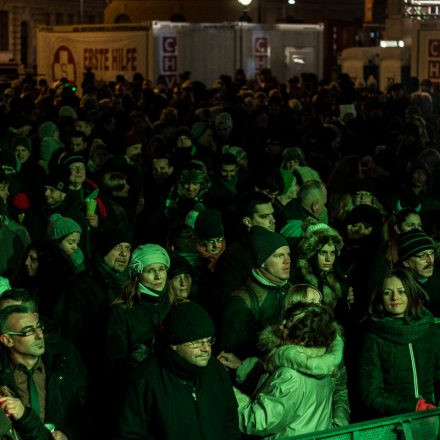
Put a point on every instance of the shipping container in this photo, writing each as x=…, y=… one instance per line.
x=207, y=50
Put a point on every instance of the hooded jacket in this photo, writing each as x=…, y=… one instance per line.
x=400, y=363
x=304, y=390
x=333, y=288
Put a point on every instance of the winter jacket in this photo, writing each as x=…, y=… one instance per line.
x=161, y=404
x=82, y=311
x=331, y=284
x=304, y=390
x=132, y=331
x=66, y=392
x=250, y=309
x=399, y=363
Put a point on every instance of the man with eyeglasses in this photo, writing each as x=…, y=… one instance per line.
x=182, y=391
x=417, y=255
x=46, y=385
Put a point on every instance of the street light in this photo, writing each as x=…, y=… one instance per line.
x=245, y=17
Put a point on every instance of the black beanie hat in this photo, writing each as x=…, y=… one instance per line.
x=264, y=243
x=209, y=224
x=364, y=214
x=58, y=178
x=412, y=242
x=362, y=185
x=187, y=322
x=107, y=239
x=22, y=141
x=178, y=266
x=70, y=158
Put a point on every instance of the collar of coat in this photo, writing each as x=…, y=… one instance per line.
x=264, y=281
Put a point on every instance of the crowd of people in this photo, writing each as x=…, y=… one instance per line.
x=243, y=259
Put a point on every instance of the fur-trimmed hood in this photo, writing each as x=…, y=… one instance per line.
x=314, y=241
x=314, y=361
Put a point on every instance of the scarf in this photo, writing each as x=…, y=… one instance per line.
x=212, y=259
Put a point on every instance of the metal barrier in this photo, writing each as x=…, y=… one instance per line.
x=412, y=426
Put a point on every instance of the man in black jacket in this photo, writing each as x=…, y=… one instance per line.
x=182, y=392
x=260, y=300
x=46, y=380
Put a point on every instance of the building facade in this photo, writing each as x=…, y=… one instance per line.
x=19, y=20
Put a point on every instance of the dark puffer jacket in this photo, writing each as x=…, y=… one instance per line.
x=400, y=363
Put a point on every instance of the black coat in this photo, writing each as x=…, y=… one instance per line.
x=83, y=310
x=250, y=309
x=132, y=331
x=161, y=405
x=66, y=393
x=400, y=362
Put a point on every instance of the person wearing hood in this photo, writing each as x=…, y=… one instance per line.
x=318, y=265
x=137, y=313
x=303, y=389
x=399, y=368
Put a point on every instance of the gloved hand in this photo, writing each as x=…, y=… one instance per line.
x=423, y=405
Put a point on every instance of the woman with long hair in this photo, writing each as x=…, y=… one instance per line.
x=136, y=314
x=318, y=264
x=399, y=367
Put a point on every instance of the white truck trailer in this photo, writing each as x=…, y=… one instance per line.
x=207, y=50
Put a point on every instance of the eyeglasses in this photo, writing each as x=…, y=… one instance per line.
x=29, y=331
x=363, y=194
x=77, y=168
x=214, y=240
x=425, y=255
x=198, y=344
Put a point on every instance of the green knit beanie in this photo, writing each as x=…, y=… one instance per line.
x=60, y=226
